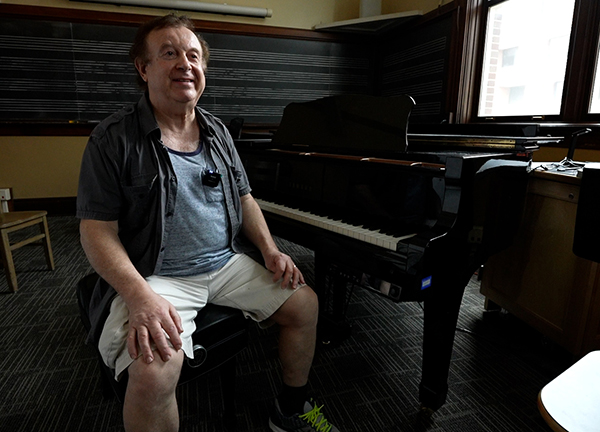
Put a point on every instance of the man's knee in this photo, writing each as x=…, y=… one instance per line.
x=301, y=309
x=154, y=380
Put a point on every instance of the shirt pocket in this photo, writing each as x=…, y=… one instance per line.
x=141, y=196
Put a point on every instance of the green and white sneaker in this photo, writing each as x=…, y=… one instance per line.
x=312, y=420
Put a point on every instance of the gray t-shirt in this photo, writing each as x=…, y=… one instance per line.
x=199, y=240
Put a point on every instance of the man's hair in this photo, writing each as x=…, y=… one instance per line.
x=139, y=47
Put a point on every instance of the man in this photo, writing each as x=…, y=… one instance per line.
x=164, y=204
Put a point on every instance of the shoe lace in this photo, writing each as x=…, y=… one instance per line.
x=316, y=419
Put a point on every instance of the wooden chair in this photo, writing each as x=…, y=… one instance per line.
x=571, y=402
x=15, y=221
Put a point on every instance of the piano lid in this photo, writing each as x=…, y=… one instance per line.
x=347, y=122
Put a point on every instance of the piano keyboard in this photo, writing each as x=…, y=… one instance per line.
x=359, y=233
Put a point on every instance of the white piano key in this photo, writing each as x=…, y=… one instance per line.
x=359, y=233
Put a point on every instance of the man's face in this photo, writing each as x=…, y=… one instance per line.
x=174, y=71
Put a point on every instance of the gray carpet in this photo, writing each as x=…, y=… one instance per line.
x=49, y=379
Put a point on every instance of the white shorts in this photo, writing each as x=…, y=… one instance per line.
x=242, y=284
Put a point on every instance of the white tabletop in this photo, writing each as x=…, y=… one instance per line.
x=573, y=398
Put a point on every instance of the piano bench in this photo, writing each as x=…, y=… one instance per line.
x=571, y=402
x=221, y=333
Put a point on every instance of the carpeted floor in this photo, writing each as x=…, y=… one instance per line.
x=49, y=379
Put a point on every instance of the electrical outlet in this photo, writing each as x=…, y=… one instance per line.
x=4, y=194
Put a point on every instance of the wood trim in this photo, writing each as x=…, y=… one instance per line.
x=576, y=74
x=134, y=20
x=471, y=19
x=547, y=417
x=458, y=41
x=46, y=129
x=61, y=206
x=580, y=65
x=578, y=77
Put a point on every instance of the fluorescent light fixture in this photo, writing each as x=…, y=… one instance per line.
x=194, y=6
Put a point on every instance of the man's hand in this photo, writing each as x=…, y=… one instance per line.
x=153, y=320
x=256, y=230
x=283, y=269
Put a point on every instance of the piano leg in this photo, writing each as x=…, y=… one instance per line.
x=332, y=289
x=442, y=307
x=441, y=303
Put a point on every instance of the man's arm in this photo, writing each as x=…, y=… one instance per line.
x=255, y=229
x=149, y=313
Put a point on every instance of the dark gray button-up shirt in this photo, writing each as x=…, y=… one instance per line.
x=127, y=176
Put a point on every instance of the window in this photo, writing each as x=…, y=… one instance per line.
x=508, y=56
x=516, y=95
x=525, y=58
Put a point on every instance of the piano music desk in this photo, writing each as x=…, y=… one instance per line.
x=539, y=279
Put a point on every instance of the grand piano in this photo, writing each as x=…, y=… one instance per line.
x=407, y=217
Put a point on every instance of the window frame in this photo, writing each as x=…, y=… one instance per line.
x=579, y=74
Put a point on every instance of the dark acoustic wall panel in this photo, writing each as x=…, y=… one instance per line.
x=255, y=78
x=53, y=71
x=56, y=71
x=416, y=64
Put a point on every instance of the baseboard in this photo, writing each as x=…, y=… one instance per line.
x=64, y=206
